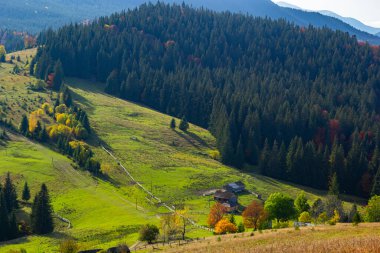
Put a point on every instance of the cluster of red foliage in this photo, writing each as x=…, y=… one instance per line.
x=334, y=126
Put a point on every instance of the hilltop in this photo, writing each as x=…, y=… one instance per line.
x=37, y=15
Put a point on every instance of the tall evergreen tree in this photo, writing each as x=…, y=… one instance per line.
x=10, y=194
x=26, y=192
x=43, y=135
x=4, y=222
x=58, y=76
x=333, y=185
x=376, y=184
x=172, y=124
x=37, y=130
x=42, y=213
x=184, y=125
x=13, y=228
x=24, y=125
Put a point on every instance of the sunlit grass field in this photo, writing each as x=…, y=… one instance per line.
x=342, y=238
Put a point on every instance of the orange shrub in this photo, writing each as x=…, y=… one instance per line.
x=224, y=226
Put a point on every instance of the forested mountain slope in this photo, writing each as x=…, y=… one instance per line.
x=307, y=97
x=33, y=16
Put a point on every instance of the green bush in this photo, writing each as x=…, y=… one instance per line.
x=148, y=233
x=373, y=209
x=305, y=217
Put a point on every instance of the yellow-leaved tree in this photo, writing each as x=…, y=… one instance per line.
x=224, y=226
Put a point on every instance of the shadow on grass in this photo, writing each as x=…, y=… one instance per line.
x=108, y=179
x=198, y=139
x=89, y=107
x=187, y=138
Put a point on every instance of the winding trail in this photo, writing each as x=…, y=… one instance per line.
x=170, y=208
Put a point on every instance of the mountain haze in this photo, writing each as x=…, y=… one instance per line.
x=353, y=22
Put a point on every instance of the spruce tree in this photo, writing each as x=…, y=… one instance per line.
x=376, y=184
x=172, y=124
x=10, y=194
x=58, y=76
x=43, y=135
x=333, y=185
x=183, y=125
x=86, y=123
x=13, y=228
x=26, y=192
x=4, y=222
x=37, y=130
x=265, y=158
x=239, y=154
x=42, y=213
x=24, y=125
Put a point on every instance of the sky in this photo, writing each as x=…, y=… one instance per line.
x=367, y=11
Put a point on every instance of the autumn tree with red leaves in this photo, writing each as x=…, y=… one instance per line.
x=217, y=213
x=254, y=215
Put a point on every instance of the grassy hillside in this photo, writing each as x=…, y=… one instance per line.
x=176, y=166
x=340, y=238
x=99, y=213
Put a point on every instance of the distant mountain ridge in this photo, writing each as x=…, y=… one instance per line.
x=351, y=21
x=39, y=14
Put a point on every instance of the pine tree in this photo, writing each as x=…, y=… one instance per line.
x=264, y=158
x=337, y=162
x=37, y=130
x=226, y=148
x=58, y=76
x=4, y=222
x=13, y=228
x=86, y=123
x=376, y=184
x=26, y=192
x=42, y=213
x=24, y=125
x=333, y=185
x=43, y=135
x=10, y=194
x=183, y=125
x=172, y=124
x=239, y=154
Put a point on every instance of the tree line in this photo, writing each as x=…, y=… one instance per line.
x=307, y=96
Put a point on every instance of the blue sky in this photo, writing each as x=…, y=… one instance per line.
x=367, y=11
